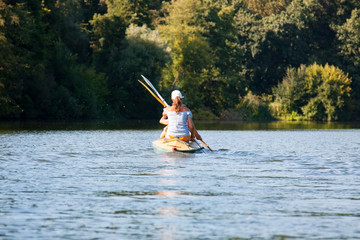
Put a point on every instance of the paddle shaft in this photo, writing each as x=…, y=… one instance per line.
x=162, y=103
x=206, y=145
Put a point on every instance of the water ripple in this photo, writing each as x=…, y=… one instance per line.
x=112, y=185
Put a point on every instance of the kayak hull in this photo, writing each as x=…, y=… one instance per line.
x=176, y=145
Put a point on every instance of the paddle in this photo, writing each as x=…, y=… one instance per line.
x=164, y=104
x=154, y=89
x=160, y=99
x=206, y=145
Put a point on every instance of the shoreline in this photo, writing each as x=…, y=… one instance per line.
x=155, y=125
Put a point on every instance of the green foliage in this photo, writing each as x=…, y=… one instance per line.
x=77, y=59
x=290, y=93
x=299, y=34
x=229, y=82
x=7, y=106
x=18, y=52
x=68, y=21
x=71, y=91
x=255, y=107
x=206, y=54
x=138, y=12
x=192, y=63
x=273, y=43
x=181, y=19
x=317, y=92
x=144, y=52
x=349, y=36
x=108, y=31
x=266, y=7
x=333, y=91
x=251, y=108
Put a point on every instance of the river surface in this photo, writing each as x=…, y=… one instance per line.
x=108, y=183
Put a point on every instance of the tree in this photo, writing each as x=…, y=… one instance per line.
x=23, y=47
x=143, y=52
x=317, y=92
x=290, y=94
x=123, y=50
x=192, y=58
x=348, y=36
x=221, y=34
x=267, y=7
x=7, y=60
x=206, y=54
x=44, y=53
x=138, y=12
x=301, y=34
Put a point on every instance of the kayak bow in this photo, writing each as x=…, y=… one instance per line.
x=176, y=145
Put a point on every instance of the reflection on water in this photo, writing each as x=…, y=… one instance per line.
x=154, y=125
x=167, y=182
x=167, y=179
x=276, y=125
x=168, y=211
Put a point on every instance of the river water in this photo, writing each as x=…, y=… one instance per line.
x=108, y=183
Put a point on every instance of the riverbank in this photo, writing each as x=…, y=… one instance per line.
x=154, y=125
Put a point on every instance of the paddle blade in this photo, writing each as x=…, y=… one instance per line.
x=162, y=103
x=206, y=145
x=154, y=89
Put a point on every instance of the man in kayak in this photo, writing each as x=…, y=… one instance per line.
x=179, y=120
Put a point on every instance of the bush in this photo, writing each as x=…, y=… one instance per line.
x=250, y=108
x=289, y=95
x=316, y=92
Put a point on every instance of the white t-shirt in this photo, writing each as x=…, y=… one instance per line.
x=178, y=123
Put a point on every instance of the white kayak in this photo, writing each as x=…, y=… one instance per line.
x=176, y=145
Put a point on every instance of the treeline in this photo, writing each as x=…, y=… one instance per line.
x=233, y=59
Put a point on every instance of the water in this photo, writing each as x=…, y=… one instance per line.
x=109, y=184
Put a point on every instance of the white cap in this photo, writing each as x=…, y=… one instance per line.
x=176, y=93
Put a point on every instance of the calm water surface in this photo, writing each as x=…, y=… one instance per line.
x=109, y=184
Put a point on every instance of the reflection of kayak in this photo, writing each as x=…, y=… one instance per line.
x=175, y=144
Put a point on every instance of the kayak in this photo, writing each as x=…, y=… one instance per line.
x=176, y=145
